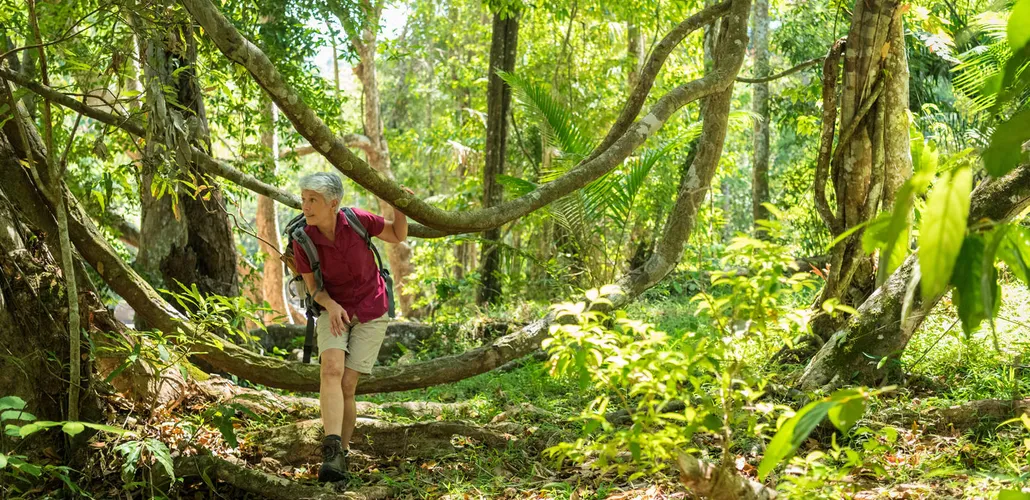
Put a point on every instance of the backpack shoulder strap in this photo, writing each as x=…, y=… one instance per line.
x=356, y=225
x=302, y=238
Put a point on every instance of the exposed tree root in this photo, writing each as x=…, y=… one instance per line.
x=985, y=411
x=718, y=483
x=210, y=468
x=265, y=402
x=400, y=335
x=300, y=443
x=967, y=416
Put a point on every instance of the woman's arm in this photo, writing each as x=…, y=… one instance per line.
x=395, y=231
x=338, y=317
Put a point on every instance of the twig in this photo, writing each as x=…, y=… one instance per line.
x=66, y=36
x=787, y=72
x=927, y=351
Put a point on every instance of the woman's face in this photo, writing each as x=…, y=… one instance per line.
x=317, y=210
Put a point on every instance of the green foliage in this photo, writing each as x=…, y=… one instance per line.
x=153, y=349
x=225, y=415
x=943, y=229
x=217, y=314
x=16, y=470
x=558, y=123
x=967, y=279
x=750, y=297
x=629, y=364
x=1008, y=88
x=140, y=455
x=843, y=408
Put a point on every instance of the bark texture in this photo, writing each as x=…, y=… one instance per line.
x=34, y=311
x=871, y=158
x=208, y=468
x=760, y=107
x=503, y=49
x=185, y=234
x=300, y=443
x=634, y=54
x=719, y=483
x=853, y=353
x=272, y=289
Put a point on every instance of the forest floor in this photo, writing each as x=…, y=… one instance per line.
x=902, y=448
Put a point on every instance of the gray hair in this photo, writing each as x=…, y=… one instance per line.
x=325, y=183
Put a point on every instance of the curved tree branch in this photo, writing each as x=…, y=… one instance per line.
x=786, y=72
x=359, y=141
x=649, y=71
x=204, y=160
x=831, y=70
x=242, y=51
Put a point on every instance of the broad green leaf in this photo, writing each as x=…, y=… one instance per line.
x=227, y=430
x=1013, y=495
x=27, y=468
x=11, y=402
x=897, y=234
x=924, y=155
x=1015, y=252
x=29, y=429
x=990, y=292
x=16, y=415
x=792, y=434
x=1019, y=25
x=943, y=229
x=3, y=461
x=875, y=235
x=73, y=428
x=846, y=414
x=966, y=279
x=1005, y=151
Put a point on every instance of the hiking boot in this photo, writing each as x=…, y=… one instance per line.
x=334, y=461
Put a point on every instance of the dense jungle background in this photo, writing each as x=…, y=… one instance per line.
x=694, y=249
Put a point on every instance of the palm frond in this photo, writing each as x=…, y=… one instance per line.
x=558, y=123
x=568, y=212
x=983, y=62
x=516, y=186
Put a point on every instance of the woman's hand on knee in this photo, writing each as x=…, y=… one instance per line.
x=339, y=320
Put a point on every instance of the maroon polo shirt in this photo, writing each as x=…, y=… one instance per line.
x=349, y=272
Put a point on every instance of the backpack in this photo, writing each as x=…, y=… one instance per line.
x=295, y=233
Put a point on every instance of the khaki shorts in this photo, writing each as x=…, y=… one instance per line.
x=361, y=342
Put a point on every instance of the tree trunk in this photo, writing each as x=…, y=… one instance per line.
x=760, y=107
x=871, y=158
x=34, y=336
x=634, y=53
x=365, y=43
x=503, y=49
x=853, y=354
x=272, y=289
x=183, y=236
